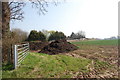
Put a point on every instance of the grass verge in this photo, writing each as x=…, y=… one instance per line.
x=46, y=66
x=38, y=65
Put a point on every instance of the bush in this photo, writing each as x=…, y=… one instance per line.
x=35, y=36
x=56, y=36
x=41, y=36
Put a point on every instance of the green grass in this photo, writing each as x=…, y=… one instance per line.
x=99, y=64
x=98, y=42
x=46, y=66
x=118, y=41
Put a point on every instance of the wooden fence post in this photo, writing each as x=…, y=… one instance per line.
x=15, y=56
x=28, y=47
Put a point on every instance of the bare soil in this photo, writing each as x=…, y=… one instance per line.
x=37, y=45
x=107, y=54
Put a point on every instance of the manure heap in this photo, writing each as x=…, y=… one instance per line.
x=58, y=46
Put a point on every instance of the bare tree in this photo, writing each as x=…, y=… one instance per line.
x=80, y=34
x=16, y=12
x=19, y=35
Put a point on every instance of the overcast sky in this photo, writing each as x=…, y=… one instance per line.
x=98, y=18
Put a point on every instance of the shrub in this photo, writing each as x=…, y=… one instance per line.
x=56, y=36
x=41, y=36
x=35, y=36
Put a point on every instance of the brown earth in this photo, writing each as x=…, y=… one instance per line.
x=58, y=46
x=107, y=54
x=37, y=45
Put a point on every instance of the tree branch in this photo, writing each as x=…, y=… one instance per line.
x=17, y=7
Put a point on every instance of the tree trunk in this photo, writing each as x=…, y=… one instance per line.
x=5, y=19
x=5, y=31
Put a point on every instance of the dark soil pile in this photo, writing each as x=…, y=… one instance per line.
x=37, y=45
x=58, y=46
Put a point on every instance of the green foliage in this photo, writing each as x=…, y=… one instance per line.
x=41, y=36
x=56, y=36
x=98, y=42
x=8, y=66
x=34, y=36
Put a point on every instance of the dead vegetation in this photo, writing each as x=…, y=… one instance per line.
x=107, y=54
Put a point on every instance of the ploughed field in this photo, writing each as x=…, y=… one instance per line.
x=102, y=50
x=92, y=59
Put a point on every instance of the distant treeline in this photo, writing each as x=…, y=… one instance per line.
x=45, y=35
